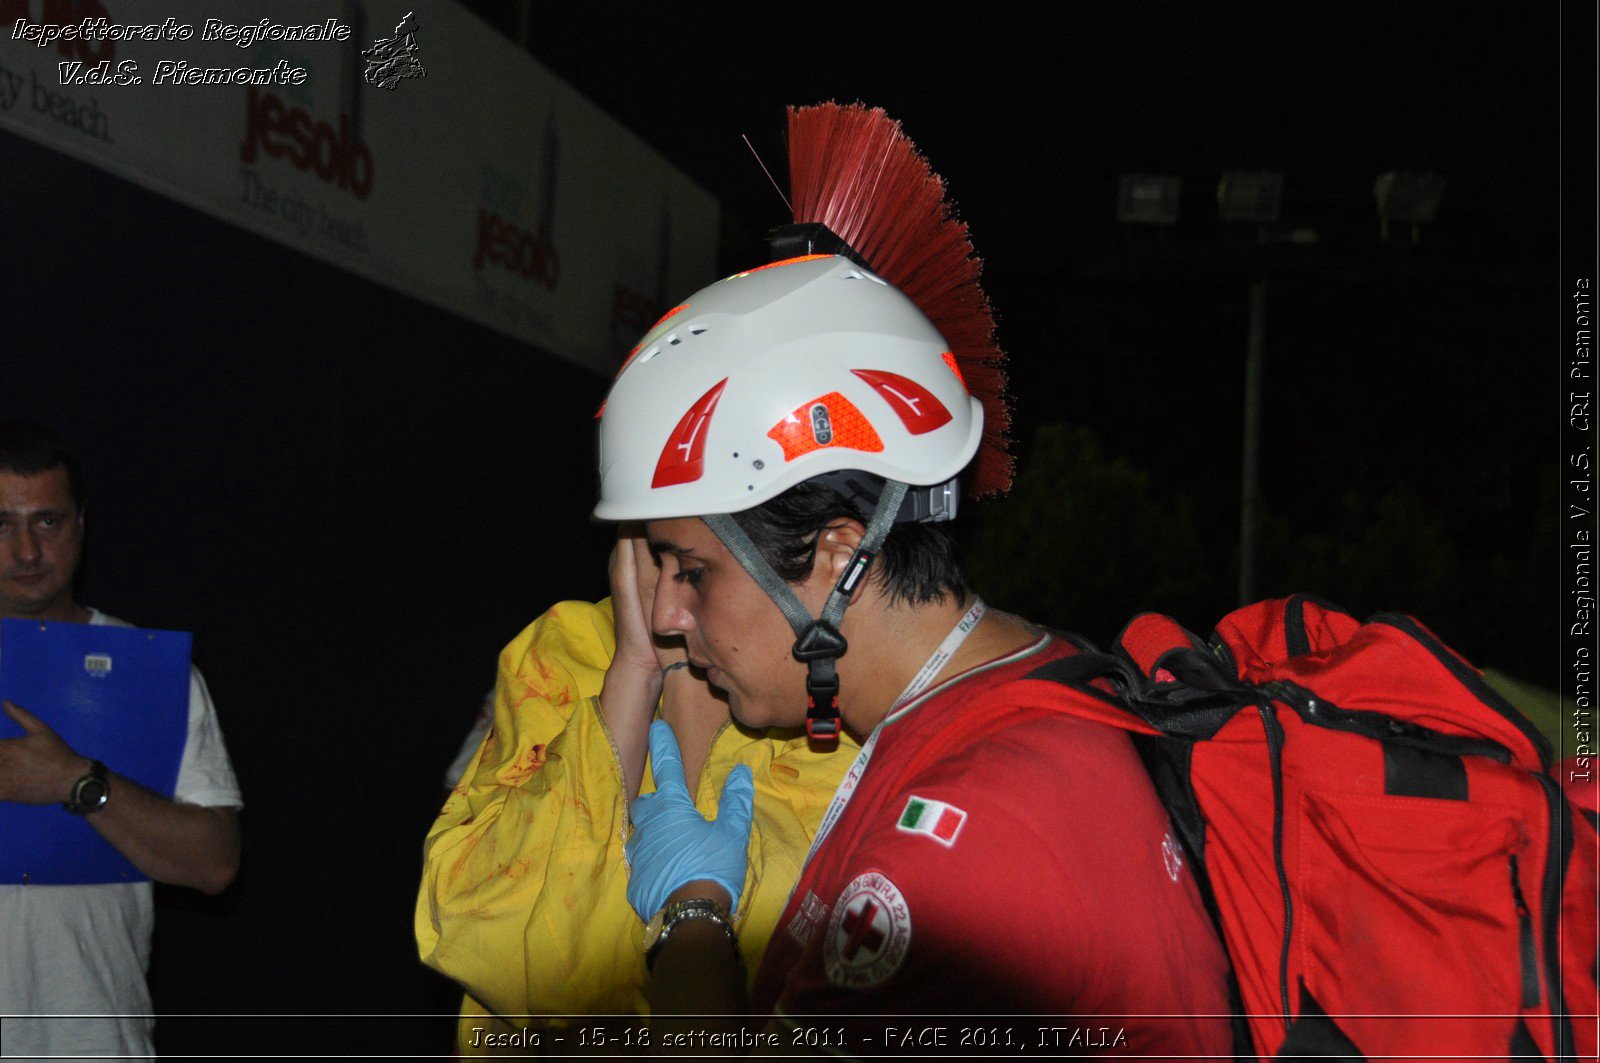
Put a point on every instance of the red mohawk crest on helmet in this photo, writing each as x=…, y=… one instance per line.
x=854, y=170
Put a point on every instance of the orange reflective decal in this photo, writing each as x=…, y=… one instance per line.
x=829, y=421
x=782, y=262
x=675, y=311
x=950, y=360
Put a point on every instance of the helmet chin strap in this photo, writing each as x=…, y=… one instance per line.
x=817, y=640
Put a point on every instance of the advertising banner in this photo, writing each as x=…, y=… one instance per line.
x=419, y=149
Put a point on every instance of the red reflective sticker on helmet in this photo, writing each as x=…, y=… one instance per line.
x=914, y=403
x=782, y=262
x=950, y=360
x=683, y=458
x=829, y=421
x=665, y=317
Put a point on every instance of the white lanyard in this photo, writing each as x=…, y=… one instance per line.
x=919, y=682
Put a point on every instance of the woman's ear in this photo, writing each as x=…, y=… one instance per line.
x=836, y=545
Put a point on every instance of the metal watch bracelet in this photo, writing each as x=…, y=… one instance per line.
x=661, y=927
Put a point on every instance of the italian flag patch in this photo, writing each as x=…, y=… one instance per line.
x=937, y=820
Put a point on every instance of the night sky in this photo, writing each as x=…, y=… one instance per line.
x=1416, y=380
x=1032, y=118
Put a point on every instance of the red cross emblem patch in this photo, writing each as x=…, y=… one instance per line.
x=869, y=933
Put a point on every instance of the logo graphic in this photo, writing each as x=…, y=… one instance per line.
x=506, y=244
x=1172, y=856
x=392, y=59
x=869, y=933
x=336, y=156
x=803, y=927
x=937, y=820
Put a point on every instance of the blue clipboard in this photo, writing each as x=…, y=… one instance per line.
x=114, y=694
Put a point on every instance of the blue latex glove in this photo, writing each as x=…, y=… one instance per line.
x=672, y=843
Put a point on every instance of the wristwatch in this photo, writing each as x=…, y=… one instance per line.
x=660, y=926
x=90, y=793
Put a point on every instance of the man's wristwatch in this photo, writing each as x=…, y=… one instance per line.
x=90, y=793
x=660, y=926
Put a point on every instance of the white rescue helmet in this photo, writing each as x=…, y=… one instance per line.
x=773, y=377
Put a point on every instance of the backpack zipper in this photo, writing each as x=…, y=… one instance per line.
x=1472, y=680
x=1564, y=1038
x=1527, y=949
x=1269, y=721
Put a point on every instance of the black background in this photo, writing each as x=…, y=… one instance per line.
x=354, y=500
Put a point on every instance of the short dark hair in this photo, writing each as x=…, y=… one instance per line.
x=917, y=565
x=29, y=449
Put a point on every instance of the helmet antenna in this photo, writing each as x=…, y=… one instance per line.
x=853, y=169
x=766, y=171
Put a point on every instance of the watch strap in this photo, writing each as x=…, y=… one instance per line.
x=96, y=782
x=660, y=928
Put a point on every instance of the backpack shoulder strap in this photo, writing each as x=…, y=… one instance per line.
x=1168, y=681
x=1264, y=633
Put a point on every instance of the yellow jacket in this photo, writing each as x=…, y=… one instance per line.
x=523, y=898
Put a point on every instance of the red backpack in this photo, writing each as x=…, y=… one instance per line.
x=1393, y=868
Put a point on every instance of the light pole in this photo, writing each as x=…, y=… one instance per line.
x=1255, y=198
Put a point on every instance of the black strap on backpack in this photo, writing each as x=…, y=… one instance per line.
x=1194, y=709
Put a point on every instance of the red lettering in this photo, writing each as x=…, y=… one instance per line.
x=64, y=12
x=522, y=252
x=252, y=126
x=326, y=168
x=91, y=52
x=529, y=253
x=358, y=157
x=272, y=125
x=299, y=133
x=292, y=134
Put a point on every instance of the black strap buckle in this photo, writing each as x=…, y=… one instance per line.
x=818, y=641
x=822, y=708
x=822, y=730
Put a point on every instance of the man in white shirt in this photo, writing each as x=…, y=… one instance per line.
x=71, y=951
